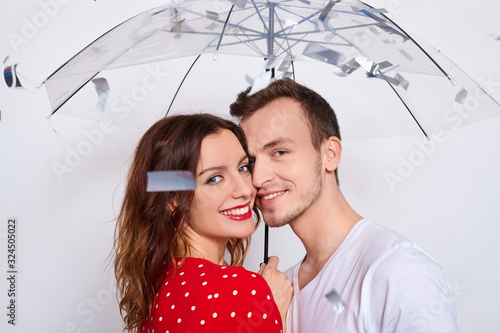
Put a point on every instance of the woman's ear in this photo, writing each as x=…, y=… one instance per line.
x=172, y=204
x=332, y=150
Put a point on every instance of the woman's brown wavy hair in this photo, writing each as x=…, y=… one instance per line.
x=150, y=229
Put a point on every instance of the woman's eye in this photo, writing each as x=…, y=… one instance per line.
x=214, y=179
x=244, y=168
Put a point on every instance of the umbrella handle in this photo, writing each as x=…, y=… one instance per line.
x=266, y=243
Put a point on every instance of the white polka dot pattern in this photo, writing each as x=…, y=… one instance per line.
x=204, y=297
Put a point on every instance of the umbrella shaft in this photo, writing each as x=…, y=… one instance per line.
x=270, y=33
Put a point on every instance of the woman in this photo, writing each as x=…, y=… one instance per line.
x=170, y=246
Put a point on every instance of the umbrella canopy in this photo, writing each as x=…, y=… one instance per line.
x=352, y=38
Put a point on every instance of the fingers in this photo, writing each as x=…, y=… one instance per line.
x=273, y=262
x=261, y=268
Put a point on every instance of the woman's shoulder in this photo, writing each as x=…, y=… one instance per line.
x=225, y=273
x=209, y=269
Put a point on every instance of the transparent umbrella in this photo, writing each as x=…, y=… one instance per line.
x=286, y=36
x=343, y=48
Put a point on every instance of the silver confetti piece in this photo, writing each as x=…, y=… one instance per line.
x=239, y=3
x=384, y=77
x=402, y=81
x=324, y=54
x=102, y=88
x=461, y=96
x=166, y=181
x=378, y=10
x=285, y=65
x=212, y=15
x=350, y=66
x=355, y=9
x=273, y=62
x=384, y=64
x=336, y=301
x=327, y=10
x=261, y=82
x=364, y=62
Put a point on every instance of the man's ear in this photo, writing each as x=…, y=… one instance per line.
x=332, y=150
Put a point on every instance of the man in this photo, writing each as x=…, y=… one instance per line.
x=357, y=275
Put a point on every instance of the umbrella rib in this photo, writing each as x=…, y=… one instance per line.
x=317, y=42
x=217, y=34
x=240, y=40
x=407, y=108
x=182, y=82
x=257, y=10
x=230, y=25
x=289, y=47
x=418, y=45
x=85, y=48
x=72, y=94
x=238, y=24
x=298, y=40
x=79, y=53
x=250, y=42
x=224, y=28
x=69, y=97
x=257, y=37
x=355, y=26
x=307, y=18
x=287, y=50
x=285, y=36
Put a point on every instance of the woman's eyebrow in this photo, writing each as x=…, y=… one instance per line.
x=219, y=167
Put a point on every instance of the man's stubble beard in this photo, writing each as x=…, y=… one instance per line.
x=306, y=200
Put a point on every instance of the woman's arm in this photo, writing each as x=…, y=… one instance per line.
x=280, y=285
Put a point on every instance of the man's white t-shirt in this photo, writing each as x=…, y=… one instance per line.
x=387, y=283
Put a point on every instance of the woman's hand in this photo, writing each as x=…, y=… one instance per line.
x=280, y=285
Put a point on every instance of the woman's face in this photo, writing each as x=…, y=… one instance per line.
x=223, y=200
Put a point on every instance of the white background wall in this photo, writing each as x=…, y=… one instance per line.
x=448, y=204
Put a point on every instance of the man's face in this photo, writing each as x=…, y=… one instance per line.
x=287, y=171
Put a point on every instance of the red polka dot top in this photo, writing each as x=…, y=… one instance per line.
x=201, y=296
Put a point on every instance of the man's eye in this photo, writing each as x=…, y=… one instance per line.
x=279, y=153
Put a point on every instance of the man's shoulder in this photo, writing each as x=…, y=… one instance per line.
x=375, y=233
x=391, y=257
x=366, y=244
x=372, y=242
x=389, y=248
